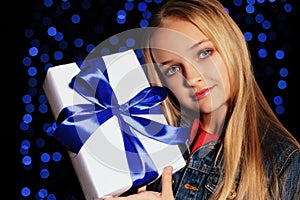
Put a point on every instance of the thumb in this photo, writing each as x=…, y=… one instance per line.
x=167, y=192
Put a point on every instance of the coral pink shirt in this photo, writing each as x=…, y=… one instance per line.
x=199, y=137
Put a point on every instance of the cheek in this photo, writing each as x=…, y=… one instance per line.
x=218, y=71
x=181, y=92
x=223, y=75
x=175, y=84
x=223, y=79
x=174, y=81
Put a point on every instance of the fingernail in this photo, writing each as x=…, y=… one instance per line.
x=169, y=169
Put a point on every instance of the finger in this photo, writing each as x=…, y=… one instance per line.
x=142, y=189
x=167, y=182
x=145, y=195
x=115, y=198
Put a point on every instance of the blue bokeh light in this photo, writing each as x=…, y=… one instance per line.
x=52, y=31
x=25, y=192
x=33, y=51
x=284, y=72
x=45, y=157
x=128, y=6
x=44, y=173
x=142, y=6
x=42, y=193
x=282, y=84
x=75, y=19
x=262, y=53
x=279, y=54
x=279, y=110
x=26, y=61
x=250, y=9
x=262, y=37
x=278, y=100
x=56, y=156
x=26, y=99
x=27, y=118
x=266, y=24
x=26, y=160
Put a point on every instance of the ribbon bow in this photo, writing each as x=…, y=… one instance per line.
x=76, y=123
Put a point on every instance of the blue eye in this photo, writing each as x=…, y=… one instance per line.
x=205, y=53
x=172, y=70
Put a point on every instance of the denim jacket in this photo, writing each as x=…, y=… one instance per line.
x=200, y=178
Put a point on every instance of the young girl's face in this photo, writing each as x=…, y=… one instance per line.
x=192, y=68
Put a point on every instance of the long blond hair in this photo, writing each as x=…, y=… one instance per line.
x=249, y=115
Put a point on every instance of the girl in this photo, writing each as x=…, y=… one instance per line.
x=238, y=148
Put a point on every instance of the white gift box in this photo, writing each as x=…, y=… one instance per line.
x=101, y=164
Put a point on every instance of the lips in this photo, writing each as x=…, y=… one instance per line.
x=202, y=93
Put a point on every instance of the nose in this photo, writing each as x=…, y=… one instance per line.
x=192, y=75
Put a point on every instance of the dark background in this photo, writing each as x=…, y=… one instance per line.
x=33, y=138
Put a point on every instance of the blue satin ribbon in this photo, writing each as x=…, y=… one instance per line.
x=76, y=123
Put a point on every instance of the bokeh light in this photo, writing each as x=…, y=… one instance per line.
x=61, y=32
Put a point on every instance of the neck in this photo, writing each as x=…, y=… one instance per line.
x=213, y=122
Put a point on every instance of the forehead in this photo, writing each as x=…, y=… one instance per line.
x=176, y=35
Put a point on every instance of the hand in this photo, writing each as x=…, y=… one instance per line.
x=165, y=194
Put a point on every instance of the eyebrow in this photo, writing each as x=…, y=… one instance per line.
x=192, y=47
x=162, y=64
x=199, y=43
